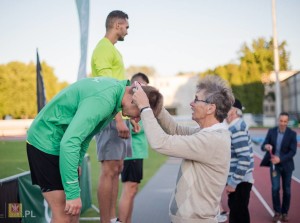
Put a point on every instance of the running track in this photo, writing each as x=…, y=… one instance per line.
x=261, y=209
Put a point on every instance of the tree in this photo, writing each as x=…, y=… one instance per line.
x=18, y=88
x=245, y=77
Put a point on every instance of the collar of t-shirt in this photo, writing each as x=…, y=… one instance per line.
x=233, y=122
x=215, y=127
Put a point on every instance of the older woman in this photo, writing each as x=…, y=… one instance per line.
x=205, y=150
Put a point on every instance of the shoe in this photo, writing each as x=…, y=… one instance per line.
x=284, y=218
x=276, y=217
x=115, y=220
x=223, y=213
x=221, y=218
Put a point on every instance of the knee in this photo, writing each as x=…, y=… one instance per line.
x=75, y=219
x=133, y=189
x=111, y=169
x=63, y=218
x=287, y=191
x=275, y=188
x=109, y=173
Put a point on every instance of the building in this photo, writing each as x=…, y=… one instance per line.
x=178, y=91
x=290, y=93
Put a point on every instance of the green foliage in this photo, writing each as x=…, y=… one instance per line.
x=251, y=96
x=18, y=88
x=245, y=77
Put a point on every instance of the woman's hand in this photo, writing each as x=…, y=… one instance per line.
x=139, y=97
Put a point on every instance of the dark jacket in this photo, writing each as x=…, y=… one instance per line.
x=288, y=148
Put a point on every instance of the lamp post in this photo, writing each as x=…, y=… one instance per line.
x=276, y=62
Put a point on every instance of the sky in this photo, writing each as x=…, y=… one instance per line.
x=169, y=35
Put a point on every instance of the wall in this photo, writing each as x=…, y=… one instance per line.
x=14, y=127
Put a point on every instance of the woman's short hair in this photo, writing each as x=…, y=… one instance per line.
x=218, y=92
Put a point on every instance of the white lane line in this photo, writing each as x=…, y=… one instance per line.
x=263, y=201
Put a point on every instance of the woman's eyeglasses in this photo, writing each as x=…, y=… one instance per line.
x=199, y=100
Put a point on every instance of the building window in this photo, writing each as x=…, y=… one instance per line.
x=266, y=108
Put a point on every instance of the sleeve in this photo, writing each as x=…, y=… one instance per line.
x=84, y=147
x=267, y=140
x=192, y=147
x=170, y=126
x=291, y=150
x=242, y=149
x=103, y=61
x=88, y=115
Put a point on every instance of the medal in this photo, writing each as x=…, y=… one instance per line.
x=274, y=172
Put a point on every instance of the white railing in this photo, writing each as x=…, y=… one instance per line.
x=14, y=127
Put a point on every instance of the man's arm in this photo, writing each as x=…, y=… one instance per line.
x=88, y=115
x=267, y=142
x=123, y=130
x=244, y=155
x=292, y=149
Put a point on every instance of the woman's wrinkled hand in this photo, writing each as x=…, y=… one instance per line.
x=139, y=97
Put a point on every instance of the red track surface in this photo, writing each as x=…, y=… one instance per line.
x=259, y=201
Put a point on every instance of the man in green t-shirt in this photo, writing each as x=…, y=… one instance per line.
x=59, y=136
x=114, y=142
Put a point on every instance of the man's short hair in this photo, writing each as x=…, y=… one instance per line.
x=113, y=16
x=284, y=114
x=155, y=99
x=142, y=76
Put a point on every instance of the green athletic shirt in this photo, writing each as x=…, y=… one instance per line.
x=139, y=144
x=107, y=61
x=66, y=125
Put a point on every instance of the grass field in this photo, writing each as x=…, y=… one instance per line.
x=13, y=160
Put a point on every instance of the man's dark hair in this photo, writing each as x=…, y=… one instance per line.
x=112, y=16
x=284, y=114
x=141, y=75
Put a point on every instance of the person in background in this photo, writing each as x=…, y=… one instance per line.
x=240, y=178
x=132, y=173
x=59, y=137
x=205, y=150
x=281, y=146
x=114, y=142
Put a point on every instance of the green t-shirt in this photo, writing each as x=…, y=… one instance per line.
x=139, y=144
x=66, y=125
x=107, y=61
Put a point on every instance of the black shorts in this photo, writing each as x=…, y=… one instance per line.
x=44, y=169
x=132, y=170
